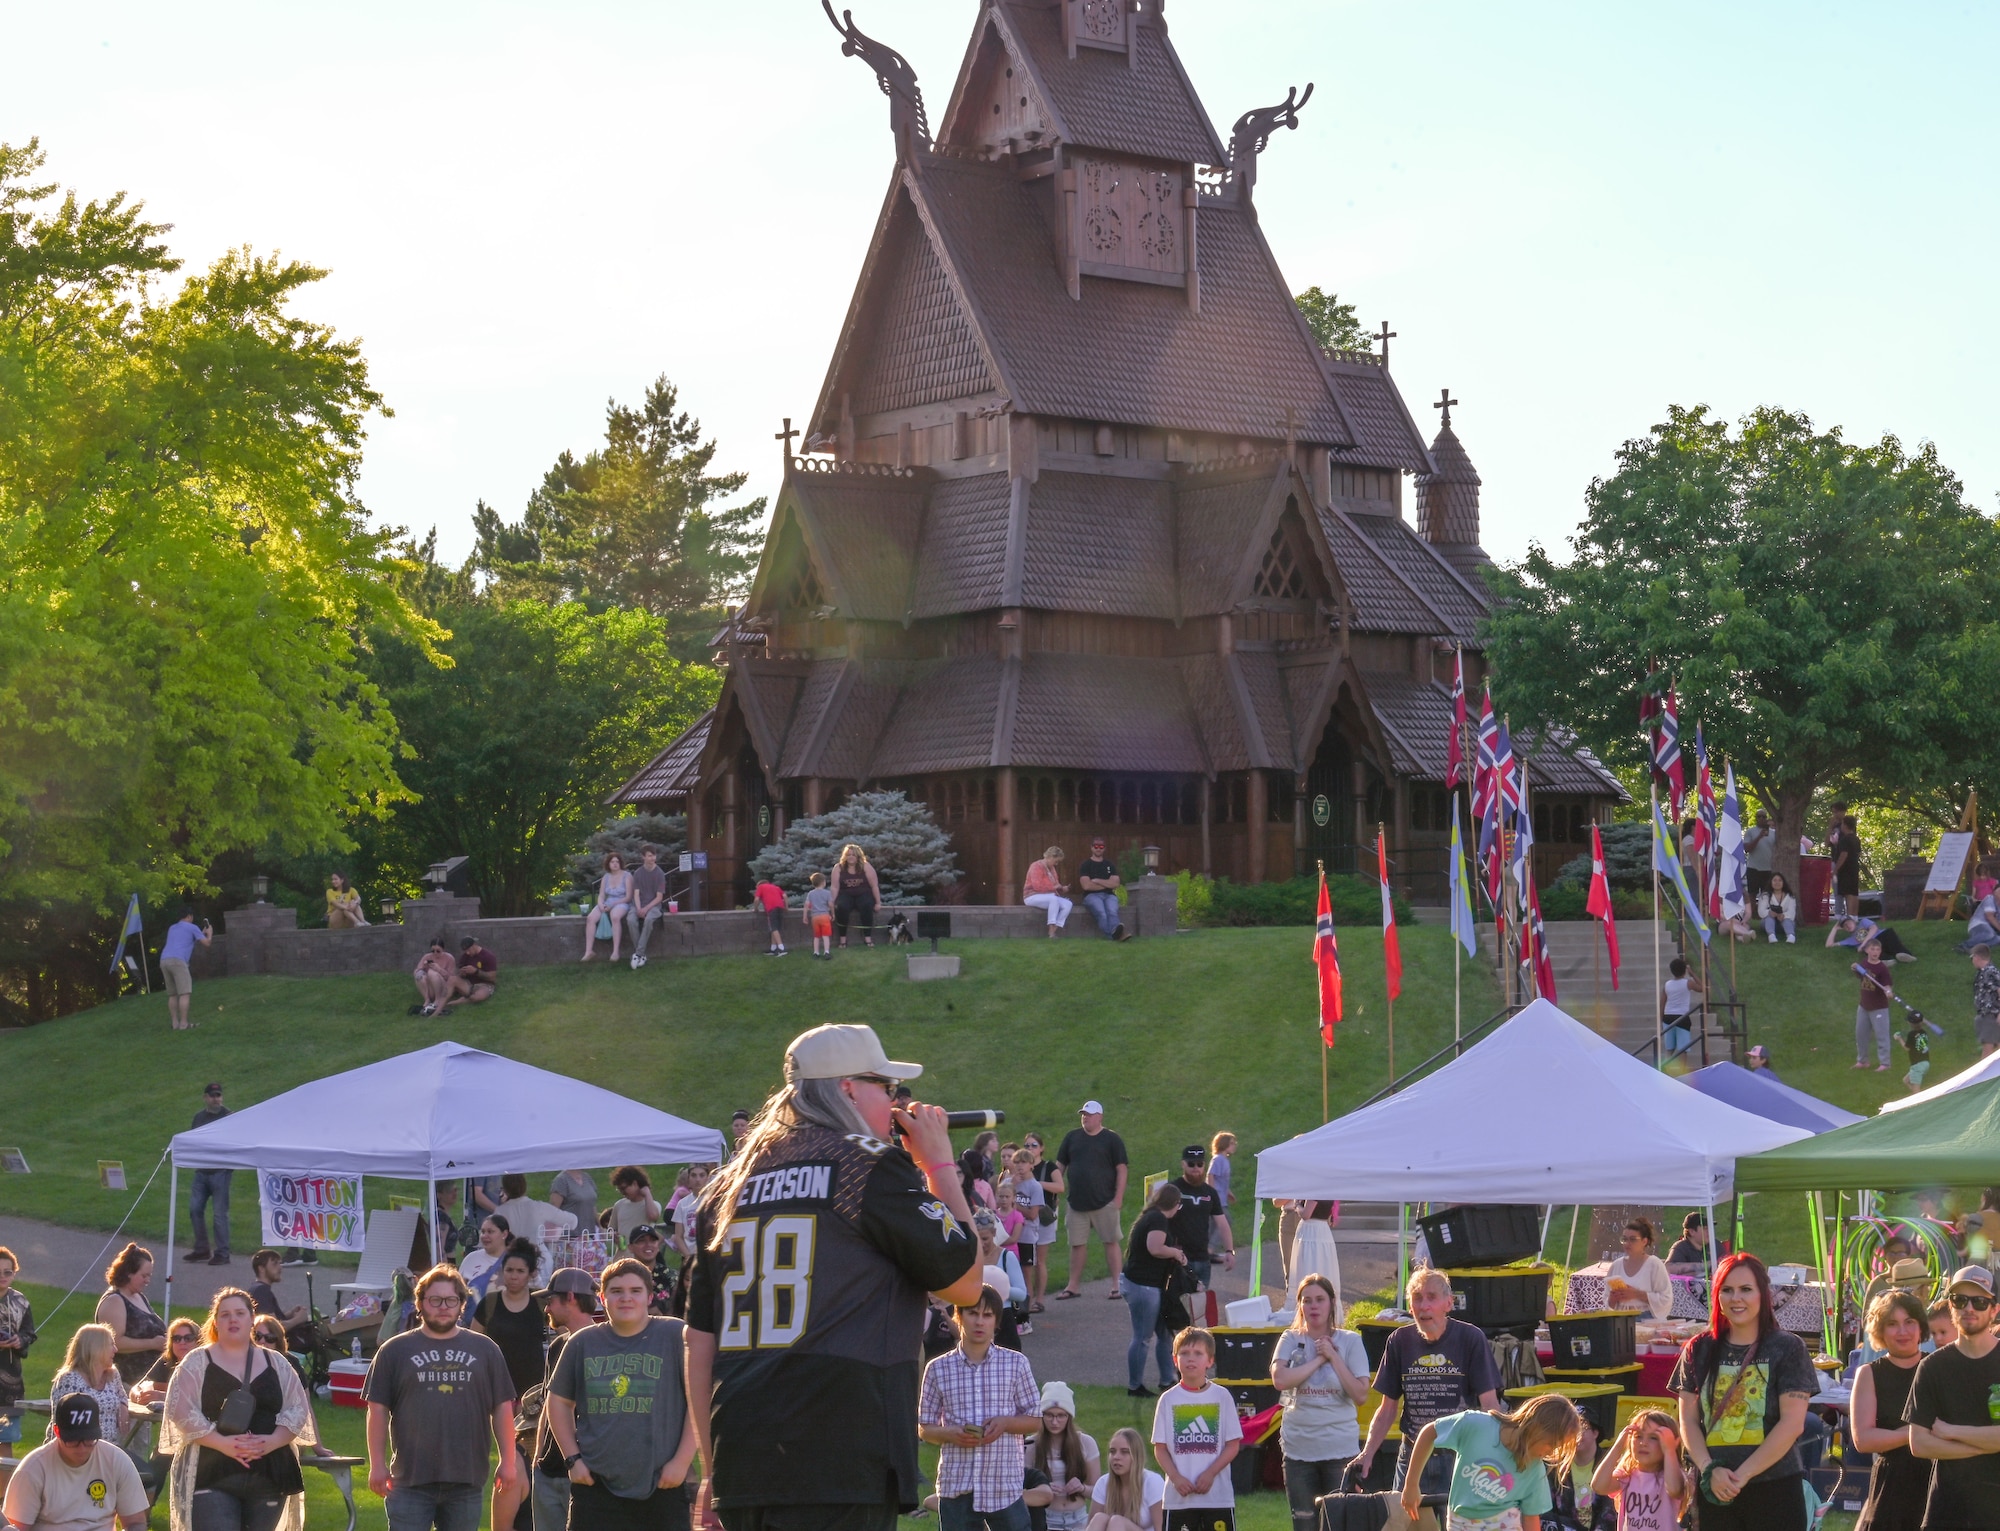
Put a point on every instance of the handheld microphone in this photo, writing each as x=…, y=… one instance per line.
x=982, y=1119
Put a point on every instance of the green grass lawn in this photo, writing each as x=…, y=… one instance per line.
x=1212, y=1029
x=1179, y=1038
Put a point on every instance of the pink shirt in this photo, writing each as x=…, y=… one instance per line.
x=1643, y=1504
x=1011, y=1221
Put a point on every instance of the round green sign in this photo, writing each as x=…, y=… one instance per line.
x=764, y=821
x=1322, y=810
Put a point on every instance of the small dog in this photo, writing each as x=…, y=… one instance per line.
x=900, y=933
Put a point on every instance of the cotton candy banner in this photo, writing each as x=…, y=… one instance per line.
x=312, y=1211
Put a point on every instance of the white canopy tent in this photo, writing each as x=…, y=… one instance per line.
x=1986, y=1068
x=1543, y=1111
x=446, y=1111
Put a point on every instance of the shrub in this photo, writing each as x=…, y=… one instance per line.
x=1567, y=901
x=910, y=854
x=1356, y=901
x=1193, y=895
x=628, y=836
x=1628, y=860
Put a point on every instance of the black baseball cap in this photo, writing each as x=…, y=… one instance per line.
x=574, y=1284
x=78, y=1419
x=644, y=1231
x=212, y=1089
x=1194, y=1153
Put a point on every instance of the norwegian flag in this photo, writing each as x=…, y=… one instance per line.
x=1454, y=760
x=1705, y=823
x=1524, y=828
x=1392, y=947
x=1538, y=948
x=1667, y=768
x=1326, y=957
x=1486, y=796
x=1506, y=805
x=1599, y=902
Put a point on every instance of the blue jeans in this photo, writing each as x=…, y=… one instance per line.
x=1104, y=906
x=435, y=1506
x=551, y=1501
x=957, y=1514
x=1143, y=1304
x=1199, y=1270
x=1437, y=1471
x=211, y=1190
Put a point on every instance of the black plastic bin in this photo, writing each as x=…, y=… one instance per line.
x=1252, y=1397
x=1511, y=1299
x=1246, y=1470
x=1595, y=1340
x=1245, y=1352
x=1597, y=1403
x=1624, y=1378
x=1459, y=1237
x=1375, y=1334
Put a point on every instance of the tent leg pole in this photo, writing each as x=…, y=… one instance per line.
x=431, y=1190
x=1256, y=1246
x=1569, y=1249
x=1711, y=1241
x=173, y=1197
x=1839, y=1271
x=1402, y=1249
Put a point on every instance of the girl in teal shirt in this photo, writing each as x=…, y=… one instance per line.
x=1499, y=1480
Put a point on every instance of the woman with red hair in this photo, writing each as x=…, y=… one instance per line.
x=1743, y=1388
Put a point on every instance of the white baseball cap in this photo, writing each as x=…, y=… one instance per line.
x=1091, y=1108
x=840, y=1052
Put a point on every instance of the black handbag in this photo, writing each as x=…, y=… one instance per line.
x=236, y=1413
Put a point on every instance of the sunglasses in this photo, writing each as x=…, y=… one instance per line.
x=1969, y=1300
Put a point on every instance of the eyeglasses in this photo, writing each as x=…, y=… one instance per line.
x=888, y=1085
x=1971, y=1300
x=441, y=1303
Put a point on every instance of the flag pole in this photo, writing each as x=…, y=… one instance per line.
x=1392, y=998
x=1659, y=983
x=145, y=968
x=1319, y=1026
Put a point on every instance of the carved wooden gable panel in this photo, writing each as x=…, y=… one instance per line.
x=1011, y=115
x=1130, y=220
x=1096, y=23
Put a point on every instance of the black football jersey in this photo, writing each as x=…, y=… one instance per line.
x=816, y=1300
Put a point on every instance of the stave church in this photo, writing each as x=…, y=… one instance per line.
x=1087, y=534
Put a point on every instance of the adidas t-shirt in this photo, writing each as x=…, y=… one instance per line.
x=1194, y=1427
x=1485, y=1478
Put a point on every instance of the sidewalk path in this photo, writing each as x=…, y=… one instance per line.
x=52, y=1255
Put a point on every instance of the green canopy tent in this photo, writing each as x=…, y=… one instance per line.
x=1953, y=1140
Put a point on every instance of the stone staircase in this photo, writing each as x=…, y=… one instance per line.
x=1624, y=1015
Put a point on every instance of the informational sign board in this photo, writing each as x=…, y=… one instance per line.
x=312, y=1211
x=111, y=1174
x=13, y=1161
x=1948, y=865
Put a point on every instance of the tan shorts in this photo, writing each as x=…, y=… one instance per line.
x=1103, y=1222
x=178, y=980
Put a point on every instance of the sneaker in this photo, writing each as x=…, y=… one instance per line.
x=420, y=1008
x=428, y=1009
x=1906, y=956
x=633, y=964
x=638, y=962
x=1772, y=939
x=220, y=1257
x=1791, y=940
x=197, y=1257
x=1121, y=934
x=1138, y=1392
x=1024, y=1327
x=783, y=953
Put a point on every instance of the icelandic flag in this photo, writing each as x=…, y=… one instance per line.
x=1463, y=928
x=1599, y=902
x=1538, y=947
x=1392, y=948
x=134, y=926
x=1732, y=862
x=1668, y=865
x=1454, y=760
x=1326, y=957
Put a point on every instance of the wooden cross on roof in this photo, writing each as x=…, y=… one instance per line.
x=786, y=436
x=1444, y=402
x=1385, y=335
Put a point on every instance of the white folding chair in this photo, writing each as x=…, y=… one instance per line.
x=387, y=1251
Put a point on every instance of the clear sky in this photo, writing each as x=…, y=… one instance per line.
x=1573, y=216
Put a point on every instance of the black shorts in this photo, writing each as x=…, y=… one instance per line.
x=1025, y=1253
x=1200, y=1520
x=593, y=1507
x=774, y=919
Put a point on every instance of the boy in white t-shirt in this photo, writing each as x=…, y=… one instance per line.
x=1196, y=1435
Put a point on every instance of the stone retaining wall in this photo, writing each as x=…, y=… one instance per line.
x=265, y=938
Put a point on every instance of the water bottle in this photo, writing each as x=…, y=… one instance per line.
x=354, y=1347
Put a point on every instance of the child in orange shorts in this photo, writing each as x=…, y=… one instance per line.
x=819, y=915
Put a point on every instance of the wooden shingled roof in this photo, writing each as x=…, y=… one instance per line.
x=670, y=775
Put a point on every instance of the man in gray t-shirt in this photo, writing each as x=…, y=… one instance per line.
x=649, y=903
x=445, y=1394
x=617, y=1406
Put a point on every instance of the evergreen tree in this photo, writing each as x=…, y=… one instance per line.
x=910, y=854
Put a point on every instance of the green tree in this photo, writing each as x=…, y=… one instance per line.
x=542, y=711
x=183, y=566
x=634, y=524
x=1333, y=322
x=1828, y=612
x=912, y=857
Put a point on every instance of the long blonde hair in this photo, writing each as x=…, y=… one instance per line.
x=1333, y=1313
x=1544, y=1429
x=92, y=1351
x=1659, y=1419
x=841, y=859
x=805, y=1102
x=1126, y=1494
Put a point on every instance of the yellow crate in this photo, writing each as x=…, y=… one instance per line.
x=1634, y=1403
